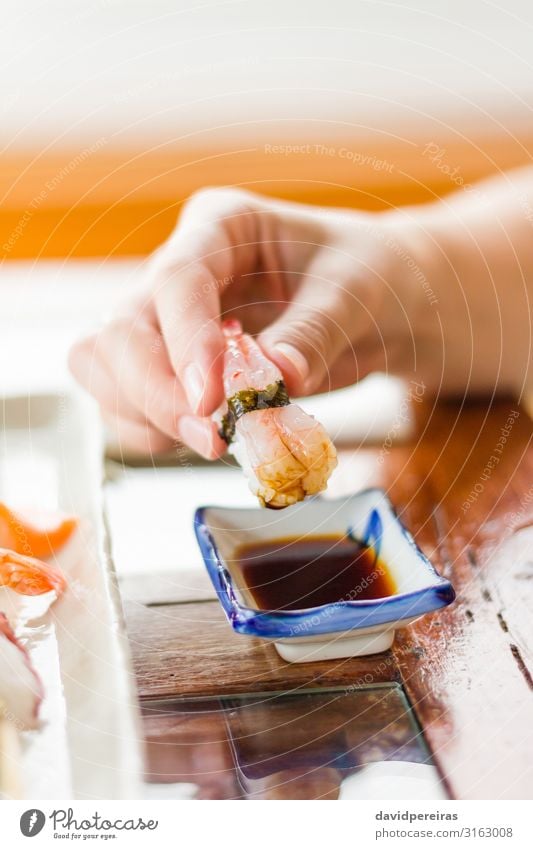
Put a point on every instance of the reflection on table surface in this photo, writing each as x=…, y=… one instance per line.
x=319, y=744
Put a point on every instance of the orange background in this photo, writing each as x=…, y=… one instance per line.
x=124, y=202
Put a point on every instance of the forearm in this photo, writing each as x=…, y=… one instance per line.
x=475, y=248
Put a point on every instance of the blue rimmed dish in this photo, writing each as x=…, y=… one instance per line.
x=346, y=628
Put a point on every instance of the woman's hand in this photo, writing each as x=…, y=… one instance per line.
x=330, y=293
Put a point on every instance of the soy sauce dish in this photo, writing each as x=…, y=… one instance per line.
x=324, y=579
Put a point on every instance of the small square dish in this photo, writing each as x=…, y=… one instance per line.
x=345, y=626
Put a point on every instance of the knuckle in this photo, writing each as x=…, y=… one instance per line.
x=210, y=206
x=206, y=196
x=159, y=261
x=312, y=334
x=214, y=203
x=216, y=197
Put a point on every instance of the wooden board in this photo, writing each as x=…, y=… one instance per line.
x=467, y=670
x=188, y=650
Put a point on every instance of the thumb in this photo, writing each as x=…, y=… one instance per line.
x=312, y=332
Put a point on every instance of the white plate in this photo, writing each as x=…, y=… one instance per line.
x=89, y=742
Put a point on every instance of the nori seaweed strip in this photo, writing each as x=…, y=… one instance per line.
x=247, y=400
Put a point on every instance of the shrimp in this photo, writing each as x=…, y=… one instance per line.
x=28, y=576
x=21, y=689
x=284, y=452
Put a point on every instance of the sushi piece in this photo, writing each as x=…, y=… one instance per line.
x=285, y=453
x=21, y=690
x=41, y=536
x=28, y=576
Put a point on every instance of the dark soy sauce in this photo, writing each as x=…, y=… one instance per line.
x=295, y=573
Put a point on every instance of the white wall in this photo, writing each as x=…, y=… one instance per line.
x=137, y=70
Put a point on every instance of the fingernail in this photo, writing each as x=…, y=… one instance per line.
x=197, y=434
x=295, y=357
x=194, y=386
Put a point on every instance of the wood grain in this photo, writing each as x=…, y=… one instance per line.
x=189, y=650
x=468, y=669
x=159, y=589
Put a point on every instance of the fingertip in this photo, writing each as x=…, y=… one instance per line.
x=219, y=447
x=201, y=435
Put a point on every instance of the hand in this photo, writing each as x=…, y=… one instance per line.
x=330, y=297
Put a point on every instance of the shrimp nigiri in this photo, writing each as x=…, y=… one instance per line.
x=284, y=452
x=21, y=690
x=29, y=576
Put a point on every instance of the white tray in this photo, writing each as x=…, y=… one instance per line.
x=88, y=745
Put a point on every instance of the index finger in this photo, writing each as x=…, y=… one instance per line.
x=209, y=249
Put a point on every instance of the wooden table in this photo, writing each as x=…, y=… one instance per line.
x=464, y=486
